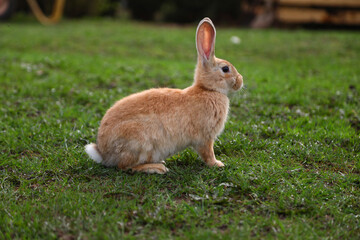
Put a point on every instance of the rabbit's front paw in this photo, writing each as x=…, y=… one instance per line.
x=216, y=163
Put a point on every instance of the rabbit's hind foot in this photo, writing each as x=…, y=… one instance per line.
x=151, y=168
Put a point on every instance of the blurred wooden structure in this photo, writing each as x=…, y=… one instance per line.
x=344, y=12
x=55, y=16
x=8, y=7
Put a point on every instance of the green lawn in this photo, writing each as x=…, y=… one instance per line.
x=291, y=144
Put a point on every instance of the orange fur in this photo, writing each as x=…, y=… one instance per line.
x=143, y=129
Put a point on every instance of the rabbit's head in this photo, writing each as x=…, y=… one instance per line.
x=213, y=73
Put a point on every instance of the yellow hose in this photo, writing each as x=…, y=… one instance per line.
x=55, y=15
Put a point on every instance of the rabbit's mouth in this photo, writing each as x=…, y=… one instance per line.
x=238, y=83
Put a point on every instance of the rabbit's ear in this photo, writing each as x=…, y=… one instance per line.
x=205, y=39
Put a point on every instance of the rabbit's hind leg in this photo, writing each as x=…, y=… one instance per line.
x=158, y=168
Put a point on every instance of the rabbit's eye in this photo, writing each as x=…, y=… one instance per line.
x=225, y=69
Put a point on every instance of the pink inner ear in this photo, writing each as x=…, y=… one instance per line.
x=207, y=38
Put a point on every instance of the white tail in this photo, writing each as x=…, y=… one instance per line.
x=93, y=153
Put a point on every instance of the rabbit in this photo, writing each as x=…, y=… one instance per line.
x=141, y=130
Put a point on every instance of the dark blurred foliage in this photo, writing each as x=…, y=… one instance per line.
x=79, y=8
x=185, y=11
x=178, y=11
x=76, y=8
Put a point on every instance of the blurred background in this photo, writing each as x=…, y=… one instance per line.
x=247, y=13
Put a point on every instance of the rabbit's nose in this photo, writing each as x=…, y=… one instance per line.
x=240, y=77
x=238, y=83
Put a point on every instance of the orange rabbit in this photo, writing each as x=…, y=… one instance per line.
x=140, y=131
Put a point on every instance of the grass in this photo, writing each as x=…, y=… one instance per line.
x=291, y=144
